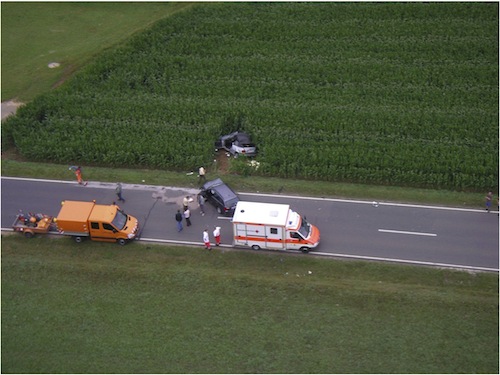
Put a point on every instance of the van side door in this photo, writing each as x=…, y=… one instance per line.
x=102, y=231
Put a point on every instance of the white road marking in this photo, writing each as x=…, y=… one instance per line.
x=330, y=255
x=224, y=218
x=407, y=261
x=406, y=232
x=111, y=185
x=366, y=202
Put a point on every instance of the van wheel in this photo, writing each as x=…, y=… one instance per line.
x=78, y=239
x=305, y=250
x=121, y=242
x=255, y=247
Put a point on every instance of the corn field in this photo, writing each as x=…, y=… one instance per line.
x=382, y=93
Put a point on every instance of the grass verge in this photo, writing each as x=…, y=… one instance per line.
x=15, y=168
x=101, y=308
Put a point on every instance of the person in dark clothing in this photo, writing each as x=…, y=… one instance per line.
x=118, y=191
x=178, y=218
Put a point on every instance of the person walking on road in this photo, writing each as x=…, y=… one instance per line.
x=201, y=202
x=206, y=240
x=118, y=191
x=178, y=218
x=489, y=197
x=217, y=236
x=187, y=216
x=78, y=174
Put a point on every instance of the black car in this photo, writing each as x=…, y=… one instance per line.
x=221, y=196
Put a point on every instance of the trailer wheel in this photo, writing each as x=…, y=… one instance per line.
x=28, y=234
x=78, y=239
x=304, y=249
x=255, y=247
x=122, y=242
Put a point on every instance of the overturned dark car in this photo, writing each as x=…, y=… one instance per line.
x=237, y=143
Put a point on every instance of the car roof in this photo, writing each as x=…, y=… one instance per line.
x=225, y=191
x=243, y=137
x=210, y=184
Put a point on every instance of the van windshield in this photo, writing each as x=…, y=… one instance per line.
x=305, y=228
x=120, y=220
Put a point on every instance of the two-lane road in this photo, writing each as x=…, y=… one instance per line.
x=425, y=235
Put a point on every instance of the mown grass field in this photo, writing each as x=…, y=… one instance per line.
x=101, y=308
x=402, y=94
x=35, y=34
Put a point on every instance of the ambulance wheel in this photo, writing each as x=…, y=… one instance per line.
x=122, y=241
x=255, y=247
x=28, y=234
x=78, y=239
x=305, y=250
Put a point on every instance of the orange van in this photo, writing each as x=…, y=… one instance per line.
x=96, y=221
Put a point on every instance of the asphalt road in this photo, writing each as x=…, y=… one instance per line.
x=438, y=236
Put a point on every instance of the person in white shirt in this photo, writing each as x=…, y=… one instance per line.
x=206, y=240
x=217, y=236
x=201, y=175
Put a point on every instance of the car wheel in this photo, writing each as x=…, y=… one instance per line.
x=236, y=155
x=121, y=241
x=255, y=247
x=304, y=249
x=78, y=239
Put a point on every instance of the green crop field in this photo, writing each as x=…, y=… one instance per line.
x=402, y=94
x=102, y=308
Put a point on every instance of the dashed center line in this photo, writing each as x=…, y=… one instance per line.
x=406, y=232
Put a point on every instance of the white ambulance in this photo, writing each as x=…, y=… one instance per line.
x=272, y=226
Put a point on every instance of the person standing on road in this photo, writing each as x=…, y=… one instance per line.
x=118, y=191
x=201, y=202
x=206, y=240
x=178, y=218
x=187, y=216
x=185, y=202
x=489, y=197
x=217, y=236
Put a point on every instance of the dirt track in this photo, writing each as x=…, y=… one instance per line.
x=9, y=108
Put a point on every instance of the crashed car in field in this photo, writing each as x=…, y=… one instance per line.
x=220, y=195
x=237, y=143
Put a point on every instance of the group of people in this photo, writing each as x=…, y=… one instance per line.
x=186, y=215
x=81, y=181
x=206, y=237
